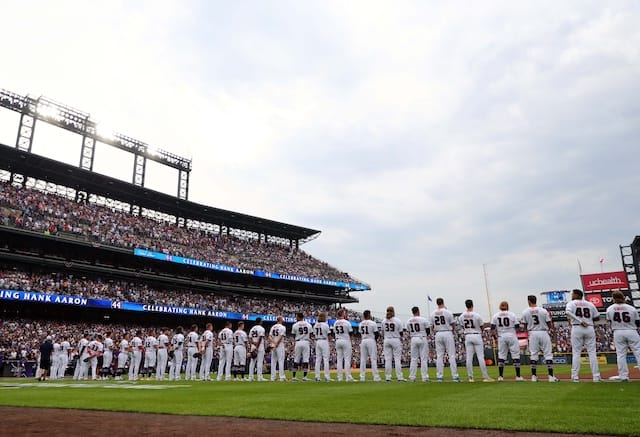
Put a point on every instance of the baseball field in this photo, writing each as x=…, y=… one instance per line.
x=608, y=408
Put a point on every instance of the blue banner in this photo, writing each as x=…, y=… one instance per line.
x=58, y=299
x=258, y=273
x=31, y=296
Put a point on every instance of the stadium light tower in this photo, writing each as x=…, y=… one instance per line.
x=65, y=117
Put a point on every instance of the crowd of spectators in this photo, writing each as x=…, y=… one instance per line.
x=53, y=214
x=127, y=291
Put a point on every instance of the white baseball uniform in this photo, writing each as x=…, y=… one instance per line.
x=192, y=362
x=581, y=312
x=177, y=346
x=443, y=322
x=163, y=357
x=256, y=343
x=392, y=347
x=536, y=319
x=107, y=356
x=301, y=331
x=471, y=323
x=624, y=323
x=342, y=330
x=81, y=366
x=95, y=349
x=207, y=344
x=66, y=348
x=417, y=326
x=321, y=333
x=240, y=350
x=276, y=338
x=150, y=354
x=368, y=348
x=56, y=360
x=225, y=353
x=505, y=323
x=135, y=347
x=123, y=355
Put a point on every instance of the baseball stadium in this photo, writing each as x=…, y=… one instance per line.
x=94, y=267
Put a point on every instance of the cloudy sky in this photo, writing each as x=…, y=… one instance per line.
x=425, y=139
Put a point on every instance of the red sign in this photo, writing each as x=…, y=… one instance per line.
x=603, y=300
x=604, y=281
x=596, y=299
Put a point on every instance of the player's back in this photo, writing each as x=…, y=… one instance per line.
x=583, y=310
x=301, y=330
x=368, y=329
x=622, y=316
x=471, y=322
x=391, y=328
x=240, y=337
x=505, y=323
x=536, y=318
x=321, y=330
x=417, y=326
x=177, y=342
x=442, y=320
x=341, y=329
x=256, y=332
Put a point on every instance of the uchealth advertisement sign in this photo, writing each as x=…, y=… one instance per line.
x=604, y=281
x=603, y=299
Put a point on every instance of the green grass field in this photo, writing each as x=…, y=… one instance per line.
x=605, y=408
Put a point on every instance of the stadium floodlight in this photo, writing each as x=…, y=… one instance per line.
x=46, y=111
x=104, y=132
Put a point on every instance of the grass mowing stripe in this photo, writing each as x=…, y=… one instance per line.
x=562, y=407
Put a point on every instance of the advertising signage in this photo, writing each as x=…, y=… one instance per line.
x=604, y=281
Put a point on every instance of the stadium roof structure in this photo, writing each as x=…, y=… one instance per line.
x=40, y=167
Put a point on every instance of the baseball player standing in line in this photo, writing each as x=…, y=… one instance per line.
x=277, y=334
x=321, y=333
x=392, y=332
x=418, y=328
x=80, y=354
x=84, y=360
x=302, y=349
x=343, y=330
x=136, y=346
x=192, y=353
x=538, y=322
x=177, y=348
x=123, y=354
x=163, y=354
x=369, y=333
x=94, y=350
x=240, y=352
x=581, y=314
x=66, y=349
x=206, y=349
x=624, y=323
x=256, y=341
x=107, y=355
x=472, y=325
x=225, y=339
x=443, y=323
x=56, y=359
x=504, y=323
x=150, y=353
